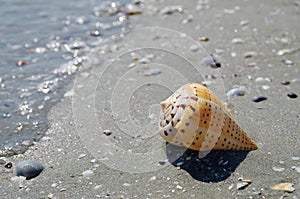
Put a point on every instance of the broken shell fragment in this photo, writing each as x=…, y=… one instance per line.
x=285, y=186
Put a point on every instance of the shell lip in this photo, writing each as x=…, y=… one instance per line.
x=163, y=104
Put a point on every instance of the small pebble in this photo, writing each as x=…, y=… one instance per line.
x=265, y=87
x=171, y=9
x=98, y=186
x=131, y=65
x=278, y=169
x=233, y=54
x=285, y=83
x=150, y=56
x=252, y=64
x=29, y=168
x=40, y=50
x=295, y=80
x=21, y=63
x=287, y=62
x=220, y=51
x=259, y=99
x=8, y=165
x=297, y=169
x=107, y=132
x=62, y=190
x=262, y=79
x=284, y=40
x=69, y=93
x=238, y=91
x=144, y=60
x=138, y=2
x=250, y=54
x=135, y=56
x=245, y=180
x=131, y=13
x=54, y=185
x=87, y=173
x=189, y=19
x=284, y=52
x=179, y=163
x=162, y=162
x=292, y=95
x=81, y=156
x=203, y=39
x=27, y=143
x=152, y=178
x=242, y=185
x=95, y=33
x=237, y=41
x=194, y=48
x=244, y=22
x=126, y=184
x=154, y=71
x=81, y=20
x=211, y=61
x=178, y=187
x=295, y=158
x=45, y=139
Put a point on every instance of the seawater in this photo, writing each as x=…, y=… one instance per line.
x=42, y=45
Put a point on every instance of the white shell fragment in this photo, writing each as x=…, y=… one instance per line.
x=285, y=186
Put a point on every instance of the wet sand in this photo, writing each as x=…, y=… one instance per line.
x=68, y=150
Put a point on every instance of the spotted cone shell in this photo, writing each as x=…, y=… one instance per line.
x=195, y=118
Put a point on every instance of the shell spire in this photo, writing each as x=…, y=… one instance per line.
x=195, y=118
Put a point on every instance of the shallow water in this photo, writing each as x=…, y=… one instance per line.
x=42, y=44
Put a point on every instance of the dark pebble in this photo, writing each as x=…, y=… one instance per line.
x=107, y=132
x=285, y=83
x=29, y=168
x=8, y=165
x=95, y=33
x=211, y=61
x=162, y=162
x=259, y=99
x=21, y=63
x=292, y=95
x=137, y=2
x=133, y=13
x=203, y=39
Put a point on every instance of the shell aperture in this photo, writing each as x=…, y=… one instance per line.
x=195, y=118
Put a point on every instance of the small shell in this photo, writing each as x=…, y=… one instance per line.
x=285, y=186
x=195, y=118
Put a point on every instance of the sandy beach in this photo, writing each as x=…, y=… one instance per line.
x=257, y=44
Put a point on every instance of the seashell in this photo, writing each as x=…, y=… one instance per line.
x=195, y=118
x=285, y=186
